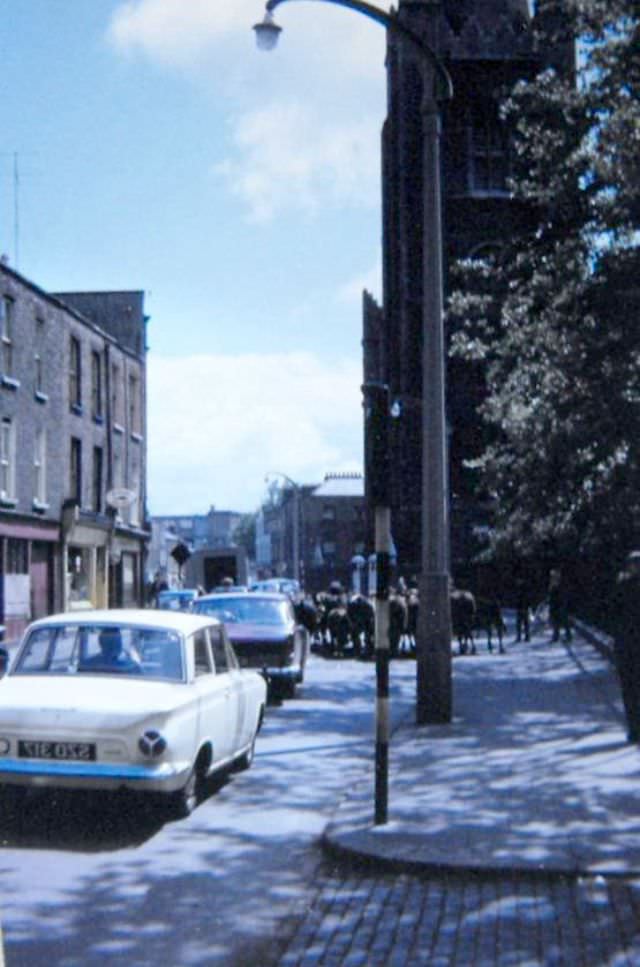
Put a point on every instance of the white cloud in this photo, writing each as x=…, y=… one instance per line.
x=304, y=122
x=178, y=31
x=175, y=31
x=287, y=159
x=218, y=424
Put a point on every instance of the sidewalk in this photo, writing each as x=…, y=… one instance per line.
x=533, y=775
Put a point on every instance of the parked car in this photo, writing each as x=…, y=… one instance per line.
x=281, y=585
x=176, y=599
x=141, y=699
x=265, y=634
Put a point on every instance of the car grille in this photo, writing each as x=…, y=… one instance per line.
x=260, y=654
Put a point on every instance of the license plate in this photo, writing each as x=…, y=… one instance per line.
x=45, y=749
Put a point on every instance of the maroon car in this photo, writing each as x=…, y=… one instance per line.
x=265, y=634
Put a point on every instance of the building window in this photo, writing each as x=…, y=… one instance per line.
x=96, y=385
x=40, y=466
x=75, y=374
x=97, y=480
x=6, y=335
x=75, y=471
x=489, y=168
x=116, y=395
x=7, y=460
x=134, y=404
x=38, y=361
x=134, y=510
x=118, y=469
x=328, y=512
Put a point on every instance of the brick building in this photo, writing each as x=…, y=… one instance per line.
x=486, y=45
x=73, y=438
x=331, y=531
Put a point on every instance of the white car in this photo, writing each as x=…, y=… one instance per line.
x=145, y=700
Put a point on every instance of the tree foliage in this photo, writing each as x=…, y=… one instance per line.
x=553, y=317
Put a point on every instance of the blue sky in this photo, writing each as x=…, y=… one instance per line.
x=157, y=149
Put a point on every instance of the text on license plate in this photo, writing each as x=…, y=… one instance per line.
x=45, y=749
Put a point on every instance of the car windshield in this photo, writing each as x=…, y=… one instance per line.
x=175, y=600
x=249, y=609
x=153, y=653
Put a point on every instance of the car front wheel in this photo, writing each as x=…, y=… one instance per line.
x=185, y=800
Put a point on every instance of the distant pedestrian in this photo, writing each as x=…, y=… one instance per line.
x=559, y=606
x=626, y=626
x=523, y=603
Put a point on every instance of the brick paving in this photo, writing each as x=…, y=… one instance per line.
x=548, y=874
x=371, y=919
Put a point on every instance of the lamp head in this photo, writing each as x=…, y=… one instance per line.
x=267, y=33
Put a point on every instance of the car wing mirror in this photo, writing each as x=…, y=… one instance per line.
x=4, y=661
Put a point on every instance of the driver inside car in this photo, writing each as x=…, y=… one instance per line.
x=112, y=655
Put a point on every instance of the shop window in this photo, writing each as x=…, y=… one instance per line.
x=7, y=460
x=128, y=568
x=78, y=576
x=75, y=471
x=96, y=385
x=75, y=374
x=6, y=335
x=17, y=556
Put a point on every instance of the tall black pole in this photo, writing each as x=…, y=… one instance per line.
x=433, y=657
x=376, y=403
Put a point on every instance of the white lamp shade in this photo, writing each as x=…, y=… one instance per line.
x=267, y=33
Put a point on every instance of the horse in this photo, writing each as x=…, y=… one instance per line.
x=489, y=618
x=463, y=615
x=362, y=616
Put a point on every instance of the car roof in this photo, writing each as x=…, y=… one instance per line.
x=260, y=595
x=186, y=623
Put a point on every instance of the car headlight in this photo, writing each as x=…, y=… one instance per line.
x=152, y=744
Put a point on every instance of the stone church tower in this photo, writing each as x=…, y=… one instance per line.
x=486, y=46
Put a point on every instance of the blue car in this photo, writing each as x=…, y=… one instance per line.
x=177, y=599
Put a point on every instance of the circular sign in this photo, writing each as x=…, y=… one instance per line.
x=120, y=497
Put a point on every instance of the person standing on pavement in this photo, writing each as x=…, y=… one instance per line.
x=626, y=627
x=524, y=603
x=559, y=606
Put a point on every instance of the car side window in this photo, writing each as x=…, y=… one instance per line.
x=219, y=650
x=232, y=658
x=201, y=654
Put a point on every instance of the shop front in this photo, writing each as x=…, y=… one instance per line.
x=27, y=574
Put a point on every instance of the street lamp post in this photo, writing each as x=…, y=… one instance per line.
x=296, y=519
x=433, y=684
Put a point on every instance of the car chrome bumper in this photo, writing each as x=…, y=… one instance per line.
x=290, y=673
x=164, y=777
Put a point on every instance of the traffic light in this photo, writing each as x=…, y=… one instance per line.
x=377, y=459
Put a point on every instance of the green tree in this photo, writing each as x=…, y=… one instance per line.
x=552, y=320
